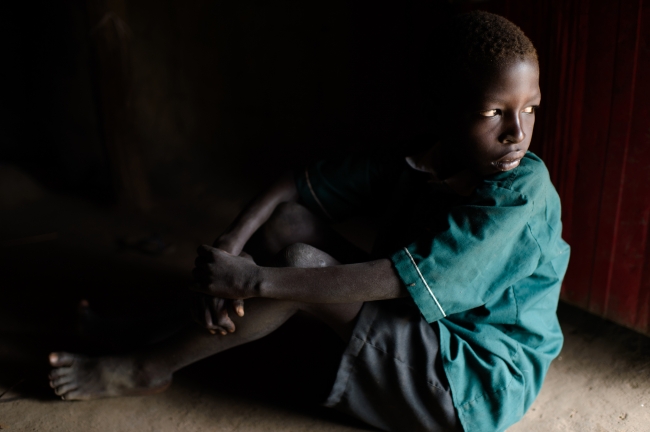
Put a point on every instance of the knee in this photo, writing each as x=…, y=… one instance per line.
x=305, y=256
x=285, y=226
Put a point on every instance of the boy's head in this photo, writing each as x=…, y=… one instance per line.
x=483, y=81
x=475, y=41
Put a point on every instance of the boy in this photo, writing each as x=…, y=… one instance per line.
x=469, y=262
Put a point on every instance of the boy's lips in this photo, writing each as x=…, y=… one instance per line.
x=509, y=161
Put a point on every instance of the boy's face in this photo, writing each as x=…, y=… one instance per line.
x=497, y=122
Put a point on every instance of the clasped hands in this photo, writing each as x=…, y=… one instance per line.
x=222, y=281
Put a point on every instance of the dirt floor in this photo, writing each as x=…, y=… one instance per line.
x=55, y=251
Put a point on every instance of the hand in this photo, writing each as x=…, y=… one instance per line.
x=212, y=313
x=220, y=274
x=228, y=243
x=208, y=311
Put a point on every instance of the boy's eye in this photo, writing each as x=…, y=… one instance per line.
x=489, y=113
x=530, y=109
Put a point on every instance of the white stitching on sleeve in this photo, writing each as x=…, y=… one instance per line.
x=311, y=189
x=425, y=283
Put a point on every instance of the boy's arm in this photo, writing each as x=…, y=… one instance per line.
x=351, y=283
x=222, y=275
x=256, y=213
x=212, y=313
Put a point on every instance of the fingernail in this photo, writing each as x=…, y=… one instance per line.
x=212, y=331
x=54, y=358
x=223, y=333
x=240, y=311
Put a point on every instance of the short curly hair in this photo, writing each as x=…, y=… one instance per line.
x=468, y=46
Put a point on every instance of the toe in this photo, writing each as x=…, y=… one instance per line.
x=65, y=389
x=75, y=395
x=59, y=372
x=58, y=382
x=58, y=359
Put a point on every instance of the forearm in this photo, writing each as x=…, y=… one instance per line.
x=374, y=280
x=256, y=213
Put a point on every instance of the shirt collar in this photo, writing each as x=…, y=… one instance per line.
x=462, y=183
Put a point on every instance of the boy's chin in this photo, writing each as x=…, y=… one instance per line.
x=492, y=168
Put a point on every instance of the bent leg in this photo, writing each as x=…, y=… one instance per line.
x=76, y=377
x=293, y=223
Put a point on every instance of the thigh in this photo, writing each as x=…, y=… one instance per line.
x=391, y=374
x=340, y=317
x=293, y=223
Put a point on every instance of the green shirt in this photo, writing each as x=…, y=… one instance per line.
x=487, y=268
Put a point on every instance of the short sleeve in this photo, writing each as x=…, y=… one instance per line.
x=339, y=189
x=486, y=247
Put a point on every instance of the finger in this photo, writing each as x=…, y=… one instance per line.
x=223, y=320
x=209, y=319
x=217, y=306
x=211, y=327
x=238, y=307
x=207, y=315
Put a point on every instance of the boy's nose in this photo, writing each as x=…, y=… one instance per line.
x=513, y=132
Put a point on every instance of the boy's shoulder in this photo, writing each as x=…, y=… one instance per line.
x=530, y=179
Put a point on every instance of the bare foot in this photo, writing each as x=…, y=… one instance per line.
x=75, y=377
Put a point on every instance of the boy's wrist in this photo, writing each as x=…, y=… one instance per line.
x=228, y=243
x=262, y=282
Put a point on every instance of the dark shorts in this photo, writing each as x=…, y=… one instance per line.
x=391, y=373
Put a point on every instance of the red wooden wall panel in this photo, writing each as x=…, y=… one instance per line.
x=639, y=162
x=593, y=132
x=582, y=224
x=607, y=263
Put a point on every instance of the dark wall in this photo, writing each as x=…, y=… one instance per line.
x=228, y=91
x=253, y=88
x=48, y=123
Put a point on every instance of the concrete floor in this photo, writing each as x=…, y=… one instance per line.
x=55, y=251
